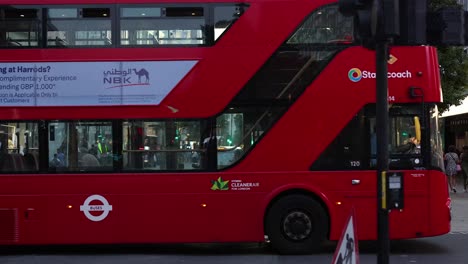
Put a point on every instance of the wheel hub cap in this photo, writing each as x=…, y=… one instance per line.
x=297, y=226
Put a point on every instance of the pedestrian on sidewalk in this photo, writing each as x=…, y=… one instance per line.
x=464, y=165
x=451, y=161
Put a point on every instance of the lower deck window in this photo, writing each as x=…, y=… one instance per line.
x=80, y=146
x=121, y=146
x=19, y=147
x=162, y=146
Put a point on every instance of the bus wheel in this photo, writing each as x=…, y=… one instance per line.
x=296, y=224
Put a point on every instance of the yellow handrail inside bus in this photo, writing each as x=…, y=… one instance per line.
x=417, y=128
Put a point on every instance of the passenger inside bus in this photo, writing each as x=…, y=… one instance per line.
x=88, y=160
x=56, y=162
x=409, y=147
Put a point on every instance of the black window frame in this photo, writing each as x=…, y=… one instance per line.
x=115, y=22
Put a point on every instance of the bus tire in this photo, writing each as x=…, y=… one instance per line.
x=296, y=224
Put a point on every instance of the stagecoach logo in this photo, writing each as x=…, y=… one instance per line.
x=392, y=59
x=89, y=207
x=120, y=78
x=355, y=75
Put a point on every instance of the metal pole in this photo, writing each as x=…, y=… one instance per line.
x=382, y=123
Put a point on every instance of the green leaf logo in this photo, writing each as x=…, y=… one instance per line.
x=219, y=184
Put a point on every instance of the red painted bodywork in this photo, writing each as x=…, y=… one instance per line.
x=181, y=207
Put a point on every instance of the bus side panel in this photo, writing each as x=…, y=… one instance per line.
x=146, y=208
x=170, y=208
x=440, y=204
x=19, y=223
x=409, y=222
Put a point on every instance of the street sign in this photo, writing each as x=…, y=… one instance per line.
x=347, y=251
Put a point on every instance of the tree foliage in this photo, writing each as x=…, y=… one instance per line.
x=453, y=67
x=454, y=75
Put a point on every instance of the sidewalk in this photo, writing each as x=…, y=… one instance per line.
x=459, y=210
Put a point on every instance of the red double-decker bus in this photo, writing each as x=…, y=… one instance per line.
x=136, y=121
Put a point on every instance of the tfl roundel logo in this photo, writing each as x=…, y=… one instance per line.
x=355, y=74
x=98, y=205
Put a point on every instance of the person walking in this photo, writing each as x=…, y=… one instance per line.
x=464, y=165
x=451, y=161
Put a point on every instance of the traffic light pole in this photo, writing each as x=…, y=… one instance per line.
x=382, y=124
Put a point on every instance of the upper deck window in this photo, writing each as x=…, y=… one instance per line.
x=162, y=26
x=19, y=27
x=116, y=25
x=324, y=26
x=79, y=27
